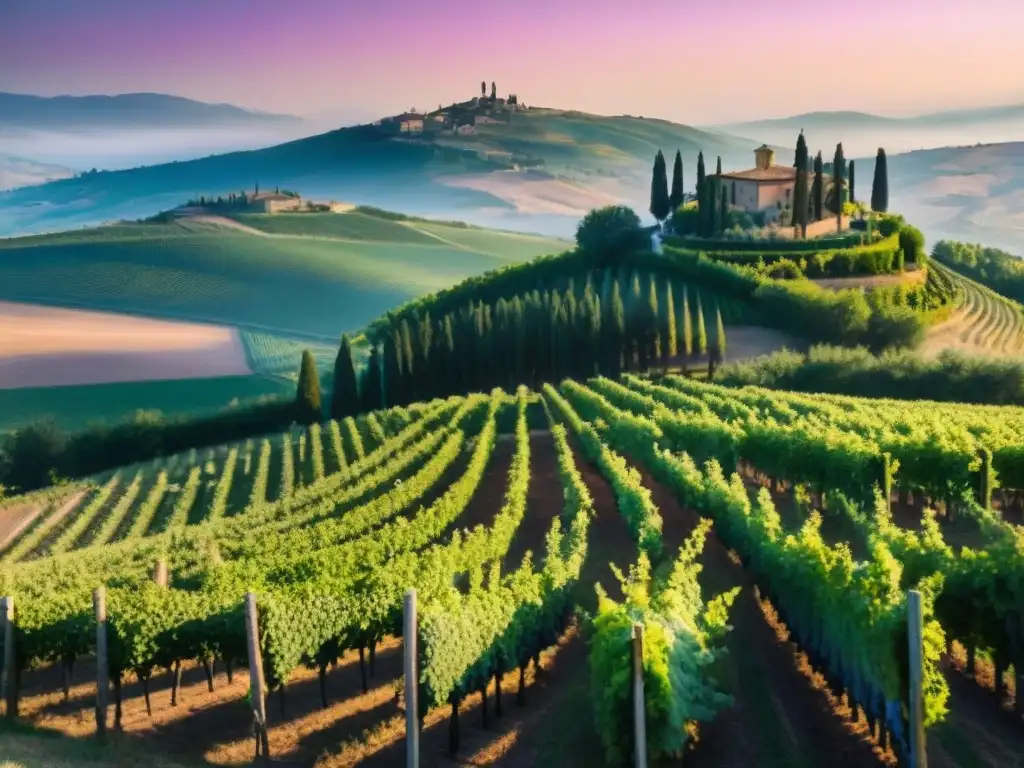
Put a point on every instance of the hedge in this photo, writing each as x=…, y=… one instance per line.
x=874, y=259
x=767, y=245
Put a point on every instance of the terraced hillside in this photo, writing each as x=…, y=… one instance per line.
x=503, y=529
x=984, y=322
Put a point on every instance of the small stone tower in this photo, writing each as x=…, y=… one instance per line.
x=764, y=157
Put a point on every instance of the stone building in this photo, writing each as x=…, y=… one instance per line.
x=765, y=187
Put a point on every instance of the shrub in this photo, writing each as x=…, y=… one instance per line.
x=784, y=269
x=911, y=243
x=608, y=230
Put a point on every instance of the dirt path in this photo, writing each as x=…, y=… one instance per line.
x=543, y=504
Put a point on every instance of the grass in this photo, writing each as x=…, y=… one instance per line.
x=23, y=747
x=74, y=407
x=289, y=285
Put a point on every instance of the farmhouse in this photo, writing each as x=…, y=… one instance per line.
x=275, y=202
x=765, y=187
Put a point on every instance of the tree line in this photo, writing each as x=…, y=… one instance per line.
x=814, y=197
x=623, y=323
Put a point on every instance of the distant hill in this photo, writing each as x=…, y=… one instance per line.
x=130, y=110
x=862, y=133
x=21, y=172
x=580, y=161
x=973, y=193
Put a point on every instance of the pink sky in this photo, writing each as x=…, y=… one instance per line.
x=692, y=61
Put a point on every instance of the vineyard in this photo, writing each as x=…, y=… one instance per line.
x=764, y=541
x=984, y=320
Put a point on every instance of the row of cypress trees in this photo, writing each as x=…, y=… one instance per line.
x=634, y=323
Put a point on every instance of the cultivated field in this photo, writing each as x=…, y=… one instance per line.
x=305, y=284
x=328, y=526
x=45, y=346
x=984, y=322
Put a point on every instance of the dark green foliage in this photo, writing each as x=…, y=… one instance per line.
x=818, y=189
x=801, y=192
x=953, y=377
x=719, y=334
x=912, y=244
x=345, y=396
x=675, y=198
x=718, y=168
x=371, y=390
x=611, y=230
x=880, y=184
x=723, y=214
x=660, y=206
x=853, y=194
x=307, y=391
x=985, y=479
x=614, y=325
x=700, y=170
x=838, y=183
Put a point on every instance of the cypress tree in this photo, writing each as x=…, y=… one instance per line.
x=801, y=192
x=723, y=215
x=594, y=336
x=684, y=325
x=372, y=382
x=659, y=189
x=307, y=392
x=409, y=389
x=426, y=383
x=652, y=325
x=719, y=333
x=669, y=339
x=447, y=350
x=392, y=373
x=615, y=331
x=345, y=396
x=555, y=345
x=702, y=204
x=880, y=184
x=702, y=333
x=519, y=334
x=818, y=190
x=718, y=168
x=634, y=343
x=700, y=170
x=838, y=182
x=853, y=194
x=675, y=198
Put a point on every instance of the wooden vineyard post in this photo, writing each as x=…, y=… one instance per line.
x=918, y=746
x=160, y=573
x=99, y=604
x=409, y=637
x=9, y=673
x=257, y=691
x=639, y=712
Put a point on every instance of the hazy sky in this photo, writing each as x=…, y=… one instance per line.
x=692, y=61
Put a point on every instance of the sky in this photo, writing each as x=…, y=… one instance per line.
x=691, y=61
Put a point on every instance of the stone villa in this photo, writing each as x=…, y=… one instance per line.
x=765, y=187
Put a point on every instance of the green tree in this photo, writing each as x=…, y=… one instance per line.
x=702, y=333
x=723, y=214
x=853, y=195
x=719, y=333
x=702, y=194
x=345, y=395
x=659, y=189
x=801, y=192
x=608, y=231
x=669, y=338
x=371, y=390
x=652, y=326
x=838, y=182
x=307, y=392
x=718, y=168
x=393, y=373
x=700, y=170
x=880, y=184
x=818, y=189
x=409, y=389
x=614, y=326
x=684, y=324
x=675, y=198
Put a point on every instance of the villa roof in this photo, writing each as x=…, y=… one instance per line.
x=773, y=173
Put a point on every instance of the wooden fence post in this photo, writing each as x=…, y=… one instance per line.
x=918, y=744
x=257, y=690
x=639, y=711
x=412, y=721
x=99, y=604
x=9, y=673
x=160, y=573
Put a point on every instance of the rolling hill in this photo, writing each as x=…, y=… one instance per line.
x=252, y=275
x=130, y=110
x=21, y=172
x=584, y=161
